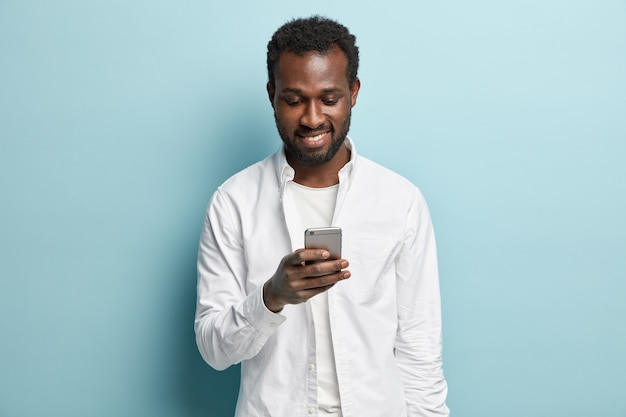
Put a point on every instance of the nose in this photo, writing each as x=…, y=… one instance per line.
x=312, y=117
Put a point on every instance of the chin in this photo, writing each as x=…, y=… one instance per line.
x=313, y=157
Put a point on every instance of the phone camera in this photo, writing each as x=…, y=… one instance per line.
x=311, y=232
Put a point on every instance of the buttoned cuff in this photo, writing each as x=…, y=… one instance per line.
x=258, y=315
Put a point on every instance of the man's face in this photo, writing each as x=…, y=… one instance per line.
x=312, y=103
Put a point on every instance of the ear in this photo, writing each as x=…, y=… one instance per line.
x=354, y=91
x=271, y=91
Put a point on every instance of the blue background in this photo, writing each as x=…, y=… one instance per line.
x=118, y=119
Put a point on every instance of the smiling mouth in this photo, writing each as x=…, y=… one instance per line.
x=314, y=140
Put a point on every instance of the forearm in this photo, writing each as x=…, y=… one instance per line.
x=235, y=333
x=418, y=351
x=424, y=384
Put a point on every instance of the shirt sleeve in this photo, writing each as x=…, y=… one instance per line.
x=418, y=338
x=231, y=324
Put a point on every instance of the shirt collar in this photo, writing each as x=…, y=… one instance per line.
x=285, y=173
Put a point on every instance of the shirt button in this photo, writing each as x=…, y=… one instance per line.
x=311, y=367
x=311, y=410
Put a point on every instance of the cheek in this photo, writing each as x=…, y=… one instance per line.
x=286, y=118
x=339, y=114
x=283, y=123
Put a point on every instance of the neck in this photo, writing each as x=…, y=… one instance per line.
x=320, y=176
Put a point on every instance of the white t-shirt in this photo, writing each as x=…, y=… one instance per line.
x=315, y=207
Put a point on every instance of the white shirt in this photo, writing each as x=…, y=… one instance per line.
x=385, y=319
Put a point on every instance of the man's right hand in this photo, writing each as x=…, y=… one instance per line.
x=296, y=280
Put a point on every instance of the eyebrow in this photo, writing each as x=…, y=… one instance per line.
x=299, y=91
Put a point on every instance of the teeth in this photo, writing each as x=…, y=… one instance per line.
x=315, y=138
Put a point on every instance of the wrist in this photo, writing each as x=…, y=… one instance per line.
x=271, y=303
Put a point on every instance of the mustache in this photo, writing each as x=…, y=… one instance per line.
x=303, y=130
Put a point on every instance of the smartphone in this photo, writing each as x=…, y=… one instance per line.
x=328, y=238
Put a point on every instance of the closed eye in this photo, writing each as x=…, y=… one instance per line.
x=292, y=102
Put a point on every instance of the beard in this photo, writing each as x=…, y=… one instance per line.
x=318, y=158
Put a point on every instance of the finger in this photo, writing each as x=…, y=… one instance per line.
x=327, y=267
x=324, y=280
x=312, y=292
x=301, y=256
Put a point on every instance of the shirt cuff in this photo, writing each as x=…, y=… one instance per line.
x=258, y=315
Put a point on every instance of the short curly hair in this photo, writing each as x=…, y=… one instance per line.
x=315, y=33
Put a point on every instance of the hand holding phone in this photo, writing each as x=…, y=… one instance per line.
x=296, y=280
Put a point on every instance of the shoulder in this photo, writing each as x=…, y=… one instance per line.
x=245, y=187
x=248, y=179
x=381, y=178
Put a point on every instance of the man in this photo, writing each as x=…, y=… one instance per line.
x=317, y=338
